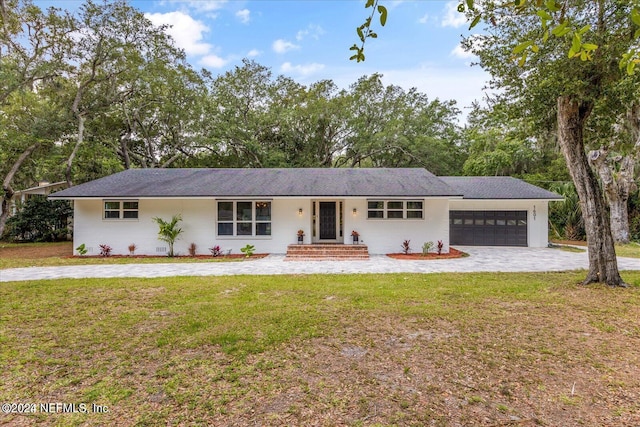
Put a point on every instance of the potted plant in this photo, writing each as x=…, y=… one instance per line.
x=356, y=237
x=300, y=236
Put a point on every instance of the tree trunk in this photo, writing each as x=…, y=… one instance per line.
x=617, y=187
x=72, y=156
x=603, y=265
x=7, y=188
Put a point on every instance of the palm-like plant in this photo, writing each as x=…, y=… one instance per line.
x=169, y=231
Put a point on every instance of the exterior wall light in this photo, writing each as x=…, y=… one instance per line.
x=300, y=211
x=355, y=211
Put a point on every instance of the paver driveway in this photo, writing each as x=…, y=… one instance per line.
x=481, y=259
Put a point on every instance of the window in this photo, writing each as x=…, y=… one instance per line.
x=244, y=218
x=120, y=209
x=395, y=209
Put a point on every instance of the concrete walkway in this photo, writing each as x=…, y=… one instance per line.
x=487, y=259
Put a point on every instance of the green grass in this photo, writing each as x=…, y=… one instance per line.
x=273, y=350
x=630, y=250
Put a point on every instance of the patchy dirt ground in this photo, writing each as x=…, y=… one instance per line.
x=34, y=251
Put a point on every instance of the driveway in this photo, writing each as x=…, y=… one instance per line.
x=481, y=259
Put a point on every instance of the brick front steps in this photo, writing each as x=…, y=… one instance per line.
x=337, y=252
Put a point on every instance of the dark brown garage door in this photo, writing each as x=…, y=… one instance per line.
x=488, y=228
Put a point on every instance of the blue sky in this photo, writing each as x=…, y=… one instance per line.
x=309, y=40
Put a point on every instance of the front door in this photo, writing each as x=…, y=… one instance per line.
x=327, y=223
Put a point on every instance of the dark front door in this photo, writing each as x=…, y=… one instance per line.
x=327, y=220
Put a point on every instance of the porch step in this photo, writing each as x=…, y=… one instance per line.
x=336, y=252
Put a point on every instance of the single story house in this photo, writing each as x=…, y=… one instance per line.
x=43, y=188
x=266, y=208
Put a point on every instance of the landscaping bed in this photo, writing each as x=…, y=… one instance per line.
x=453, y=253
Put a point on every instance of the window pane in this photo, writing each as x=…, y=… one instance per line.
x=130, y=205
x=243, y=229
x=489, y=221
x=394, y=214
x=500, y=222
x=376, y=205
x=225, y=211
x=112, y=205
x=375, y=214
x=112, y=214
x=522, y=222
x=511, y=222
x=245, y=211
x=479, y=221
x=457, y=221
x=394, y=205
x=225, y=229
x=263, y=229
x=414, y=214
x=468, y=221
x=414, y=205
x=263, y=211
x=130, y=214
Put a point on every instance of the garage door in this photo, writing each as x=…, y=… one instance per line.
x=488, y=228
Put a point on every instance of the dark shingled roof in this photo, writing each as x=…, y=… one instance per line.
x=497, y=187
x=317, y=182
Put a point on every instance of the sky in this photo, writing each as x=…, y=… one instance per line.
x=309, y=40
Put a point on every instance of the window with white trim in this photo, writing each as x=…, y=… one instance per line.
x=395, y=209
x=120, y=209
x=244, y=218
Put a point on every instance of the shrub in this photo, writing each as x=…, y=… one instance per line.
x=132, y=249
x=169, y=231
x=192, y=249
x=82, y=249
x=40, y=220
x=440, y=246
x=105, y=250
x=216, y=251
x=426, y=247
x=406, y=248
x=248, y=250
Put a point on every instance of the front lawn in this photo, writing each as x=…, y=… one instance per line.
x=402, y=349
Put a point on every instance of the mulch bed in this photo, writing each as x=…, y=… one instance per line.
x=230, y=256
x=453, y=253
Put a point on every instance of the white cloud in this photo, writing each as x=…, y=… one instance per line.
x=253, y=53
x=459, y=52
x=186, y=31
x=424, y=19
x=453, y=18
x=314, y=31
x=302, y=70
x=244, y=15
x=282, y=46
x=463, y=85
x=213, y=61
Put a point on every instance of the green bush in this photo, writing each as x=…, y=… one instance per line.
x=40, y=220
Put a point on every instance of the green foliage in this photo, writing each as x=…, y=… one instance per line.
x=40, y=220
x=426, y=247
x=365, y=31
x=82, y=249
x=565, y=218
x=406, y=246
x=248, y=250
x=169, y=231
